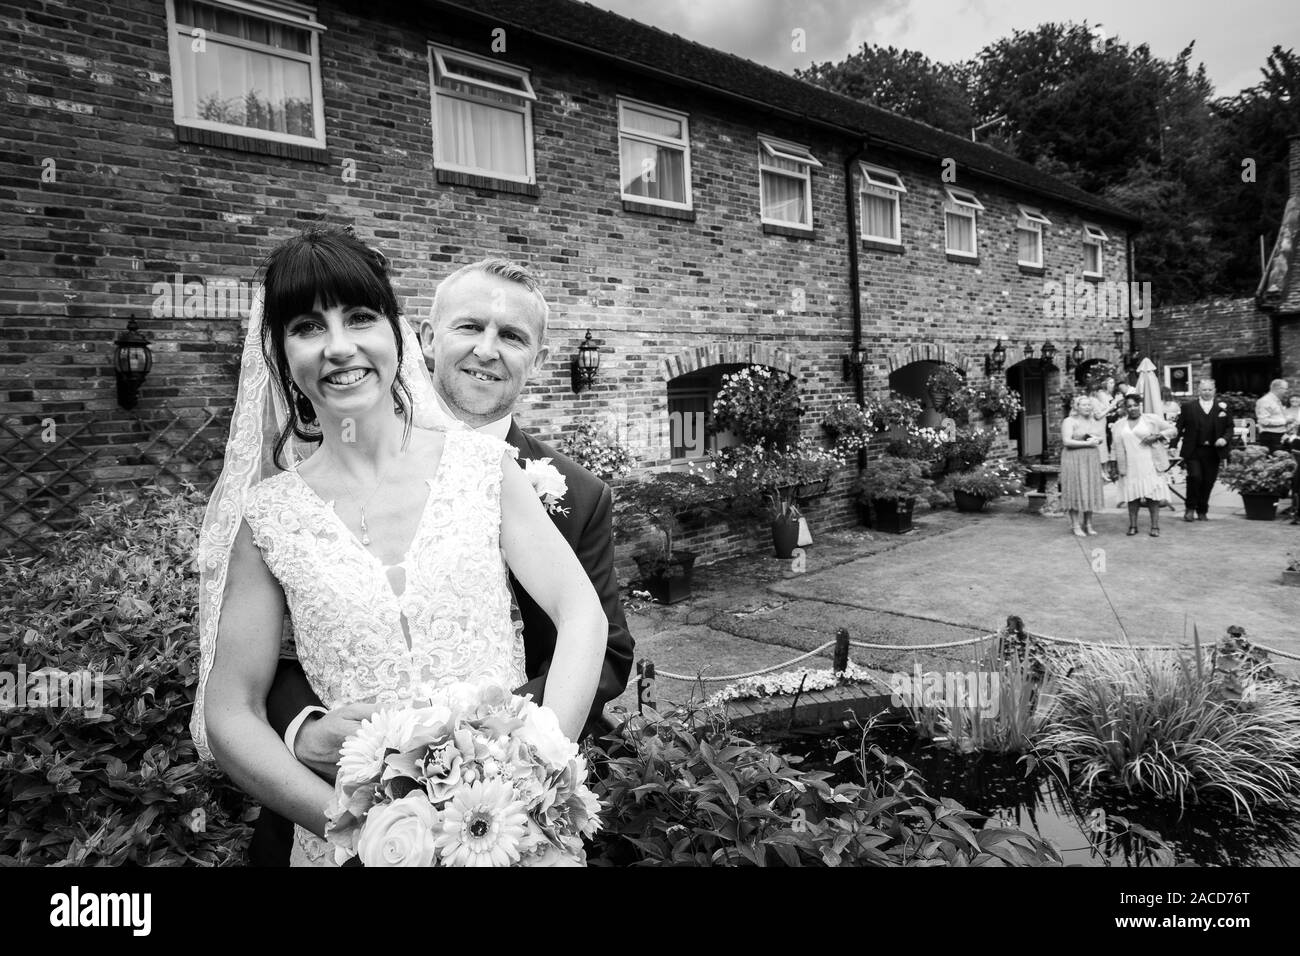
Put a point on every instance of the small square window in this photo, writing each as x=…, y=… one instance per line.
x=247, y=69
x=483, y=116
x=785, y=183
x=654, y=153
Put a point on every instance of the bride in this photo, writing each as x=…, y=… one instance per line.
x=385, y=545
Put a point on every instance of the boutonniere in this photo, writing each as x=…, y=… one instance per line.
x=1223, y=414
x=550, y=485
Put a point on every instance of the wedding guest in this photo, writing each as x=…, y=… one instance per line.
x=1270, y=416
x=1081, y=486
x=1106, y=410
x=1205, y=430
x=1291, y=442
x=1141, y=458
x=1292, y=412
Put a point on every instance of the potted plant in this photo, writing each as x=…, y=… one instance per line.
x=774, y=480
x=1260, y=478
x=1291, y=575
x=659, y=501
x=759, y=405
x=887, y=491
x=849, y=426
x=596, y=449
x=972, y=490
x=969, y=446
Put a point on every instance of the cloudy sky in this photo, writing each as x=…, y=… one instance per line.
x=1233, y=37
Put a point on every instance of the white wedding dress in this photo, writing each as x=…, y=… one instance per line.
x=351, y=622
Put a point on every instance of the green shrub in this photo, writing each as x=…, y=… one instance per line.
x=685, y=790
x=119, y=599
x=1156, y=723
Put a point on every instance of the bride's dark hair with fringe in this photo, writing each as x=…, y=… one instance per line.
x=334, y=266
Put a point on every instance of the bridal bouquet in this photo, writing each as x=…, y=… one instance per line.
x=480, y=777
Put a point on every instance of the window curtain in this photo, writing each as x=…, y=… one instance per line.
x=878, y=215
x=667, y=179
x=783, y=198
x=1091, y=257
x=961, y=232
x=1028, y=242
x=481, y=136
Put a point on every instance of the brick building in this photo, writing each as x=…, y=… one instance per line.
x=1241, y=343
x=692, y=209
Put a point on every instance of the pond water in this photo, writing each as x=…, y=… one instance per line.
x=1104, y=828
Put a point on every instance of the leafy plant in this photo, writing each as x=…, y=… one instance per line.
x=889, y=478
x=849, y=426
x=118, y=600
x=896, y=411
x=943, y=386
x=913, y=441
x=993, y=479
x=683, y=789
x=597, y=450
x=1240, y=405
x=659, y=501
x=759, y=405
x=1253, y=471
x=759, y=478
x=970, y=446
x=1149, y=721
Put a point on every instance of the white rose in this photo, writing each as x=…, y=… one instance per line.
x=399, y=834
x=546, y=478
x=541, y=729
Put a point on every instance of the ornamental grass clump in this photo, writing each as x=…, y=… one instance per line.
x=1163, y=725
x=115, y=602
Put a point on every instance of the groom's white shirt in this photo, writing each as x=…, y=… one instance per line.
x=445, y=419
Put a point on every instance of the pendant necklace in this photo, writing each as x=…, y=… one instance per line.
x=365, y=531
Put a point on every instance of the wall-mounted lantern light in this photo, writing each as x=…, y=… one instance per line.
x=585, y=365
x=1029, y=351
x=1076, y=356
x=132, y=361
x=854, y=361
x=1048, y=352
x=996, y=361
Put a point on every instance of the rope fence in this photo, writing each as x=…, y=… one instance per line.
x=866, y=645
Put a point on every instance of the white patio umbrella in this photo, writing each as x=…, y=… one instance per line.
x=1148, y=386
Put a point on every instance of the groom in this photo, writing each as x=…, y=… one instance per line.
x=485, y=337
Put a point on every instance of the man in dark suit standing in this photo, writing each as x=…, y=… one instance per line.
x=484, y=338
x=1205, y=428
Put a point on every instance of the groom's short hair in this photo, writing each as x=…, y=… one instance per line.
x=504, y=269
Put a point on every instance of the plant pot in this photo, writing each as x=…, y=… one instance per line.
x=668, y=587
x=1292, y=578
x=785, y=536
x=967, y=502
x=812, y=489
x=892, y=517
x=1034, y=502
x=1260, y=507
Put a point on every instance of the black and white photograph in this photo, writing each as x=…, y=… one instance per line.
x=613, y=434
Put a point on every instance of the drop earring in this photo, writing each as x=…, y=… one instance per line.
x=306, y=411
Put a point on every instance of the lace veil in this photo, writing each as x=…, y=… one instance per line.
x=260, y=413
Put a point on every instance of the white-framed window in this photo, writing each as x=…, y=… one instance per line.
x=785, y=183
x=654, y=155
x=251, y=69
x=1094, y=243
x=1029, y=236
x=482, y=116
x=959, y=224
x=881, y=199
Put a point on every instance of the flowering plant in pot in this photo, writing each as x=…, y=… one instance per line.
x=849, y=426
x=994, y=400
x=972, y=490
x=1260, y=478
x=659, y=502
x=760, y=405
x=888, y=488
x=969, y=446
x=597, y=450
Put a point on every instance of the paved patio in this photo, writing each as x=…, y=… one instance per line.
x=957, y=576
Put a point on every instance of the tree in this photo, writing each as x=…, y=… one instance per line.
x=902, y=81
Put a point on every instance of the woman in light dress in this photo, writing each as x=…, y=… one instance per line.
x=385, y=546
x=1081, y=485
x=1141, y=442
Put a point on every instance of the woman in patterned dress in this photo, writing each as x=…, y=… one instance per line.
x=1081, y=485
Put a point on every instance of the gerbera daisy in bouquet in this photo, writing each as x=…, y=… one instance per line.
x=479, y=777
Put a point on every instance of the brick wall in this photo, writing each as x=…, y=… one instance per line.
x=1202, y=332
x=87, y=85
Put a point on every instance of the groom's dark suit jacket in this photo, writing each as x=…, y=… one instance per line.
x=588, y=530
x=1199, y=431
